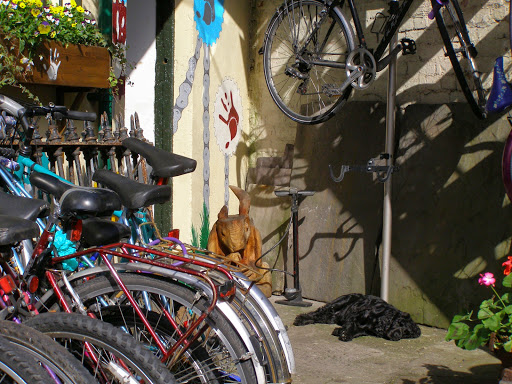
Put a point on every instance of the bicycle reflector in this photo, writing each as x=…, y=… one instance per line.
x=33, y=284
x=76, y=231
x=7, y=284
x=227, y=289
x=174, y=233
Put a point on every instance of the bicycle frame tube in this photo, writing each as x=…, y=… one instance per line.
x=391, y=27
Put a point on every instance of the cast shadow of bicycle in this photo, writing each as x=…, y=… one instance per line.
x=440, y=374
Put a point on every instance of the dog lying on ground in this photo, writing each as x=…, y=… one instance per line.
x=363, y=315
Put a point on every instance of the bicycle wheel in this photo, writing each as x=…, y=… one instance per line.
x=47, y=352
x=462, y=53
x=17, y=368
x=118, y=358
x=219, y=356
x=304, y=55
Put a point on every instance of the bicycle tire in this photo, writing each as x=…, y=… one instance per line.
x=64, y=365
x=223, y=336
x=298, y=87
x=453, y=30
x=20, y=369
x=72, y=330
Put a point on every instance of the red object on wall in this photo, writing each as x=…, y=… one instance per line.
x=119, y=21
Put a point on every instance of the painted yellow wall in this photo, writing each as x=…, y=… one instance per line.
x=228, y=58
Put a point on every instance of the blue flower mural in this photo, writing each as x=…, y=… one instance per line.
x=209, y=16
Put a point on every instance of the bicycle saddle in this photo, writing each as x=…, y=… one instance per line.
x=23, y=207
x=15, y=229
x=77, y=200
x=164, y=164
x=134, y=195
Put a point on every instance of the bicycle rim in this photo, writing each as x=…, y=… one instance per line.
x=462, y=55
x=218, y=356
x=302, y=90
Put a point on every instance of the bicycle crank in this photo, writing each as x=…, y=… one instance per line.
x=361, y=60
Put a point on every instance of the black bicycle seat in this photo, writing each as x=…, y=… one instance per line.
x=23, y=207
x=77, y=200
x=134, y=195
x=15, y=229
x=164, y=164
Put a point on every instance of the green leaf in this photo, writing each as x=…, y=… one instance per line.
x=508, y=346
x=484, y=313
x=474, y=342
x=22, y=45
x=505, y=298
x=508, y=309
x=507, y=281
x=458, y=318
x=457, y=331
x=492, y=323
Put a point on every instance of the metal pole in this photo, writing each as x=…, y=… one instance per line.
x=390, y=139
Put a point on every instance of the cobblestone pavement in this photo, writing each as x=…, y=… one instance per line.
x=322, y=359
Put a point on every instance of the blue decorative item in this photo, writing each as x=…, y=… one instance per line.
x=501, y=91
x=65, y=247
x=209, y=16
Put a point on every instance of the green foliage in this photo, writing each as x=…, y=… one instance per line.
x=494, y=318
x=25, y=24
x=200, y=238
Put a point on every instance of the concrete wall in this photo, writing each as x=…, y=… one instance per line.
x=450, y=210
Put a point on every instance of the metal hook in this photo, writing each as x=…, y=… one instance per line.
x=344, y=169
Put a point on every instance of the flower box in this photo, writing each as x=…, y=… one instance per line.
x=71, y=66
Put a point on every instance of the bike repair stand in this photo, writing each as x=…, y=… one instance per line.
x=293, y=296
x=383, y=172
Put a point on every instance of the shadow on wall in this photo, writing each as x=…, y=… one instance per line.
x=451, y=219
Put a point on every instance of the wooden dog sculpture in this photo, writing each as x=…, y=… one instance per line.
x=236, y=237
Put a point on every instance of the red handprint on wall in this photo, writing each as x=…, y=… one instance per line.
x=232, y=119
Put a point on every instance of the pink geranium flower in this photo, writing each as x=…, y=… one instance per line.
x=487, y=279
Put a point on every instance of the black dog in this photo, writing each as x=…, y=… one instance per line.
x=361, y=315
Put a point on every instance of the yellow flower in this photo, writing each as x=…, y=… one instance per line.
x=44, y=28
x=80, y=9
x=53, y=34
x=38, y=3
x=35, y=12
x=73, y=25
x=22, y=5
x=15, y=1
x=73, y=4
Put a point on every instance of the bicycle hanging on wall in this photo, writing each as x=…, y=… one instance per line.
x=312, y=61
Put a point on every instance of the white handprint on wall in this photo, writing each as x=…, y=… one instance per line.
x=53, y=69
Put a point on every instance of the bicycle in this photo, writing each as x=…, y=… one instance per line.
x=312, y=61
x=254, y=310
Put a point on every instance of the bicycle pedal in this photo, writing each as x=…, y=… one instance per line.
x=408, y=46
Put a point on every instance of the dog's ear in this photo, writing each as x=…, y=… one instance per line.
x=223, y=213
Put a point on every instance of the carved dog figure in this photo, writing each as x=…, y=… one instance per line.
x=236, y=237
x=361, y=315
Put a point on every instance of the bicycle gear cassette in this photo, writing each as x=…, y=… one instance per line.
x=361, y=59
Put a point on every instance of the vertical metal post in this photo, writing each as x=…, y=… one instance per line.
x=390, y=140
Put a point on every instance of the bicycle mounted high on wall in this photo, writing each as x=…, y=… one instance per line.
x=312, y=63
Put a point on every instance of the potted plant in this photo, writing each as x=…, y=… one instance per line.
x=491, y=326
x=59, y=45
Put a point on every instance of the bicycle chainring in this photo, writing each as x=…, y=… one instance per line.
x=362, y=58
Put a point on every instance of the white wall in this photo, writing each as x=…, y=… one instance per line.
x=140, y=82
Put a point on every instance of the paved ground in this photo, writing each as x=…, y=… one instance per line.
x=322, y=359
